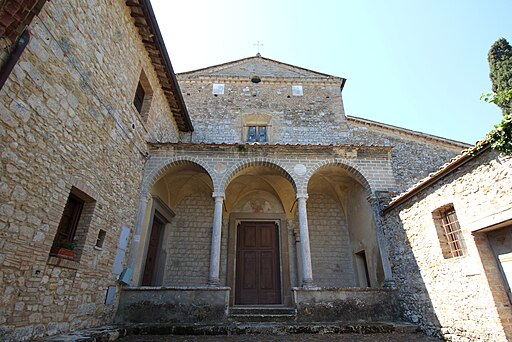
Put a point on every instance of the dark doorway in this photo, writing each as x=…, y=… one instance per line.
x=148, y=278
x=258, y=278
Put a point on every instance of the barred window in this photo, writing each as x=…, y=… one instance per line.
x=449, y=232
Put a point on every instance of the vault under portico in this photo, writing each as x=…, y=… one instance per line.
x=343, y=238
x=183, y=244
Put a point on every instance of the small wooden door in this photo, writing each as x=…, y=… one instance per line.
x=152, y=255
x=258, y=278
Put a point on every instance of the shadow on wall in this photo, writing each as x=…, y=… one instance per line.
x=413, y=299
x=494, y=248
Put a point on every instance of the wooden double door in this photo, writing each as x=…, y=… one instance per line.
x=258, y=276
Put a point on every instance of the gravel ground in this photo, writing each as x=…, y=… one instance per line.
x=391, y=337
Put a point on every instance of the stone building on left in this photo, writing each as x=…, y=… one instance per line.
x=85, y=85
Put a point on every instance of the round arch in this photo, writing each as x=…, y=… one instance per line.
x=151, y=178
x=242, y=165
x=336, y=163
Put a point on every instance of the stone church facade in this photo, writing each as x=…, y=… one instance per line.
x=189, y=196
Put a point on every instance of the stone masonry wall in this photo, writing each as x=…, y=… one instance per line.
x=412, y=158
x=189, y=242
x=331, y=251
x=221, y=161
x=457, y=298
x=315, y=118
x=66, y=114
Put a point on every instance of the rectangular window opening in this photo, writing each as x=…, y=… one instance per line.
x=138, y=100
x=73, y=225
x=101, y=239
x=449, y=232
x=257, y=134
x=143, y=96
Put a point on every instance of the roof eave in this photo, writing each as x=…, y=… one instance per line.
x=156, y=42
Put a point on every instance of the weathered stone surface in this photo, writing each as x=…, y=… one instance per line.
x=66, y=121
x=460, y=298
x=355, y=304
x=178, y=304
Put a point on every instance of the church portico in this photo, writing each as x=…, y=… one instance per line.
x=262, y=228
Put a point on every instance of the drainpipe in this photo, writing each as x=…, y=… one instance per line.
x=14, y=56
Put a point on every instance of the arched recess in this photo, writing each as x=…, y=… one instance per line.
x=342, y=164
x=259, y=196
x=343, y=236
x=160, y=170
x=181, y=187
x=265, y=162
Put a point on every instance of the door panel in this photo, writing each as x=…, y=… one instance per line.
x=258, y=271
x=152, y=255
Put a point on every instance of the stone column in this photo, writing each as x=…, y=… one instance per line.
x=134, y=248
x=213, y=278
x=298, y=255
x=307, y=272
x=386, y=266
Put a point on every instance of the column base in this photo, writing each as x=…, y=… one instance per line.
x=214, y=282
x=308, y=284
x=389, y=284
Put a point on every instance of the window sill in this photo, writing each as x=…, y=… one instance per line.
x=64, y=263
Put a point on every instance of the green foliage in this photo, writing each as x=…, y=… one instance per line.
x=500, y=65
x=500, y=138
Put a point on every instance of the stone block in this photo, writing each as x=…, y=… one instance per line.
x=173, y=304
x=349, y=305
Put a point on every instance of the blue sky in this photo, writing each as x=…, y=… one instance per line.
x=416, y=64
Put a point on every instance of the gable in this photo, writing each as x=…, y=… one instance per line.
x=257, y=66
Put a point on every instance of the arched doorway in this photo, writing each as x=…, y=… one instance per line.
x=258, y=205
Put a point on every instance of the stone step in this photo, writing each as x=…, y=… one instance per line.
x=262, y=310
x=273, y=328
x=111, y=333
x=262, y=314
x=262, y=318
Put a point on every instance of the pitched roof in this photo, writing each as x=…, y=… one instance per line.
x=145, y=21
x=426, y=136
x=258, y=66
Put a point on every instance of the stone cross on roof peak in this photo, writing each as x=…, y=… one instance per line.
x=258, y=44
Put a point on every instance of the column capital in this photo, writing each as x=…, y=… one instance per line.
x=303, y=196
x=146, y=196
x=218, y=194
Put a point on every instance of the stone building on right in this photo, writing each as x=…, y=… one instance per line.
x=450, y=244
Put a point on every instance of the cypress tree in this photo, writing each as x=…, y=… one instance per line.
x=500, y=64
